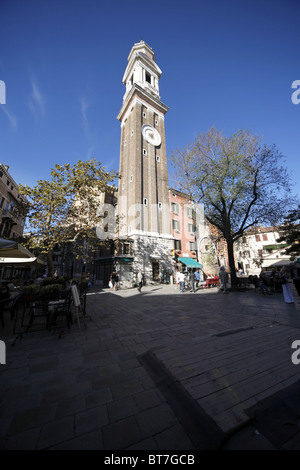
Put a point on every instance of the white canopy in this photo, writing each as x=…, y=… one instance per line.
x=12, y=249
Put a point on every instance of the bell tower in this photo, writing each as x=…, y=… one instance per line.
x=143, y=193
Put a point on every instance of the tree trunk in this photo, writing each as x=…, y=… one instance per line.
x=231, y=262
x=50, y=264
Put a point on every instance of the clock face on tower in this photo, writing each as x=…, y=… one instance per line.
x=151, y=135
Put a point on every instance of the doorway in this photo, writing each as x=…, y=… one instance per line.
x=155, y=270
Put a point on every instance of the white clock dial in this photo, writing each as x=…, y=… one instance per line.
x=151, y=135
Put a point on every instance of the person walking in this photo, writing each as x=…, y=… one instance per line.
x=181, y=278
x=114, y=279
x=177, y=278
x=223, y=275
x=140, y=280
x=286, y=288
x=192, y=281
x=197, y=278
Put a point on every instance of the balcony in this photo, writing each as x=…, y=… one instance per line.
x=6, y=214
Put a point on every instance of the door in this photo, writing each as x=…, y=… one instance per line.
x=155, y=270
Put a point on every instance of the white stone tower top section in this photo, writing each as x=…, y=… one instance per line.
x=142, y=70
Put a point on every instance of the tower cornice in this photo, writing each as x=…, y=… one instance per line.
x=136, y=90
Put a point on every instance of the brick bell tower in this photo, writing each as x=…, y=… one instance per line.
x=143, y=196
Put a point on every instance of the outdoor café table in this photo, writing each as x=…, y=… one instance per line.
x=49, y=311
x=42, y=314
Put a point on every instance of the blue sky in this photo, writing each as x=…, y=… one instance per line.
x=227, y=63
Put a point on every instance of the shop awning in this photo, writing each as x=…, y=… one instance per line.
x=272, y=263
x=190, y=262
x=12, y=249
x=7, y=260
x=108, y=259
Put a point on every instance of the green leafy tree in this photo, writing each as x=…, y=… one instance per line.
x=63, y=209
x=291, y=233
x=240, y=181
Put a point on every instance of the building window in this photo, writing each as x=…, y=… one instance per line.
x=157, y=158
x=145, y=201
x=191, y=228
x=131, y=178
x=174, y=207
x=148, y=77
x=192, y=246
x=177, y=245
x=144, y=115
x=189, y=212
x=144, y=152
x=265, y=237
x=2, y=202
x=132, y=132
x=156, y=122
x=176, y=225
x=126, y=248
x=160, y=206
x=257, y=238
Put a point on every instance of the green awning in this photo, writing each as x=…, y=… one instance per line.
x=275, y=247
x=104, y=260
x=190, y=262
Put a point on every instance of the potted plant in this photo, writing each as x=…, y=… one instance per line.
x=30, y=292
x=50, y=292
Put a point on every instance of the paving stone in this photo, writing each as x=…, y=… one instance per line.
x=175, y=439
x=89, y=441
x=122, y=434
x=91, y=419
x=26, y=440
x=155, y=420
x=32, y=418
x=97, y=397
x=71, y=405
x=56, y=431
x=123, y=408
x=147, y=399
